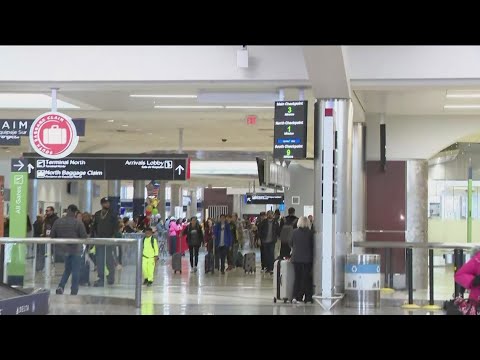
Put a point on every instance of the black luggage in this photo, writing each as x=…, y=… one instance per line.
x=177, y=262
x=85, y=270
x=209, y=263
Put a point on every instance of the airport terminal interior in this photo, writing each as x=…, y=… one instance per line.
x=240, y=180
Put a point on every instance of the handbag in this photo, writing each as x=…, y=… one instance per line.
x=461, y=306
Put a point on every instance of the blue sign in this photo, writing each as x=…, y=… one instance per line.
x=362, y=268
x=281, y=207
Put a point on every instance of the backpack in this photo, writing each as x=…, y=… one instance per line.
x=287, y=232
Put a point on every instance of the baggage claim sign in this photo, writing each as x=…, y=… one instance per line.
x=290, y=130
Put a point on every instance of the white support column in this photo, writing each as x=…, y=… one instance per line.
x=359, y=185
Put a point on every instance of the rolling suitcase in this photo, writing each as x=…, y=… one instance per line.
x=238, y=259
x=177, y=262
x=84, y=271
x=249, y=263
x=283, y=280
x=209, y=263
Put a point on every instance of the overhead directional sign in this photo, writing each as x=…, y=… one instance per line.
x=264, y=199
x=290, y=130
x=106, y=167
x=12, y=129
x=69, y=169
x=145, y=169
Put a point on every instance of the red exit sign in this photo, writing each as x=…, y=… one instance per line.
x=252, y=120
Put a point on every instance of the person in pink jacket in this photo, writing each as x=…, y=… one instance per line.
x=468, y=276
x=172, y=233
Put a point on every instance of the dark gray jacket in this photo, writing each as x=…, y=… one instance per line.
x=302, y=246
x=69, y=227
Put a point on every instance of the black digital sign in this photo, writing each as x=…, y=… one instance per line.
x=290, y=130
x=108, y=167
x=264, y=199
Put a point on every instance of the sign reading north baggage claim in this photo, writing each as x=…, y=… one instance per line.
x=107, y=167
x=290, y=130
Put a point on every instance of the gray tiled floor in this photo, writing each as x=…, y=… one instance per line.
x=195, y=293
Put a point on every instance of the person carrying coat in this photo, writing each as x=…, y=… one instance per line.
x=302, y=259
x=194, y=235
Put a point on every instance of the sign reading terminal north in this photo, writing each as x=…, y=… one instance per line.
x=106, y=167
x=290, y=130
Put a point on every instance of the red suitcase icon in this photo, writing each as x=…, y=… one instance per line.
x=55, y=136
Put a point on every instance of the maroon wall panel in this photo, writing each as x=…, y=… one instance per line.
x=386, y=207
x=213, y=197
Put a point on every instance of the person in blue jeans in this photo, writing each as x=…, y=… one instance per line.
x=69, y=227
x=223, y=240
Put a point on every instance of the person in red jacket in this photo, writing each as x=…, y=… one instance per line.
x=468, y=275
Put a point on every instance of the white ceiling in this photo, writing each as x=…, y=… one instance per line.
x=149, y=129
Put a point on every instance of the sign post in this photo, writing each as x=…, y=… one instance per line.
x=16, y=253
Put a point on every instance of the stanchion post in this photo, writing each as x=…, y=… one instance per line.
x=430, y=275
x=458, y=262
x=409, y=252
x=387, y=263
x=138, y=277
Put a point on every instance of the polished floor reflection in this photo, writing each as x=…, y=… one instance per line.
x=191, y=293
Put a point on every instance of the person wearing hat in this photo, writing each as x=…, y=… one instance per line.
x=69, y=227
x=105, y=225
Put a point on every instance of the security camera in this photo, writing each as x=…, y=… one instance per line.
x=224, y=140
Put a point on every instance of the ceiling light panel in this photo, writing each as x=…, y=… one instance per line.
x=164, y=96
x=31, y=101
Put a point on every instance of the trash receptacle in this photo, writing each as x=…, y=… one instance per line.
x=362, y=281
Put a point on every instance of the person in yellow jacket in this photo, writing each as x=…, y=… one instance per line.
x=150, y=256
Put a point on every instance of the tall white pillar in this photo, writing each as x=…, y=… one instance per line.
x=333, y=194
x=359, y=185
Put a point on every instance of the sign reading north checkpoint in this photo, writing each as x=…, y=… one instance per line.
x=290, y=130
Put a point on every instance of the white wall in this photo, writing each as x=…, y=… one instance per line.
x=301, y=180
x=417, y=137
x=413, y=62
x=56, y=191
x=149, y=63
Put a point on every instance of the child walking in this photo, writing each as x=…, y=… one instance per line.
x=150, y=256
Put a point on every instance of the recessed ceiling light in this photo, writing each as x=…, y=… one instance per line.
x=248, y=107
x=111, y=121
x=188, y=107
x=463, y=94
x=476, y=106
x=124, y=125
x=164, y=96
x=7, y=150
x=150, y=134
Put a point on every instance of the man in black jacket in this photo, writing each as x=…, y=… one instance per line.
x=47, y=224
x=269, y=232
x=105, y=225
x=69, y=227
x=287, y=225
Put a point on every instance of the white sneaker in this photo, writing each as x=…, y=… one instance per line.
x=294, y=301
